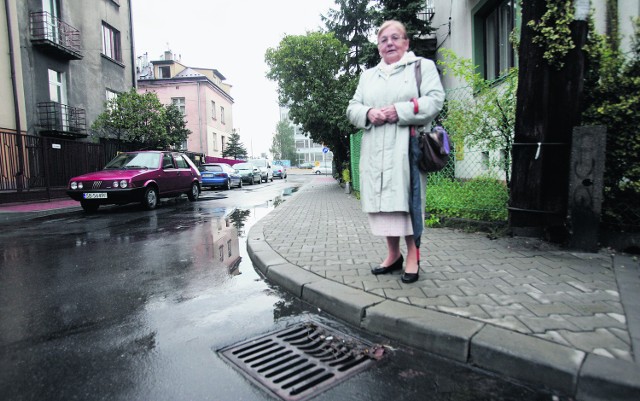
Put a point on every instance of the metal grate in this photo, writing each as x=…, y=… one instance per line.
x=301, y=361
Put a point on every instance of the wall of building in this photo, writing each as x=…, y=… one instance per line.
x=89, y=78
x=7, y=111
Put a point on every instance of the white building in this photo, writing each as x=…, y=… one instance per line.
x=307, y=151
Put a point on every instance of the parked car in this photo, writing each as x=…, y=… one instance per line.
x=323, y=168
x=305, y=165
x=265, y=168
x=249, y=173
x=220, y=175
x=280, y=172
x=143, y=176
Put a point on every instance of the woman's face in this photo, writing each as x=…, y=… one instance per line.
x=392, y=44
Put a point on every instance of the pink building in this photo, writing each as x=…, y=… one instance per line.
x=200, y=93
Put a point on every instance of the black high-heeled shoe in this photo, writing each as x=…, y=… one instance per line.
x=397, y=265
x=409, y=278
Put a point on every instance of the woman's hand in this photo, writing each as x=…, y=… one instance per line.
x=376, y=116
x=390, y=114
x=387, y=114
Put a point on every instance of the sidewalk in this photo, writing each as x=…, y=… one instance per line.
x=15, y=211
x=518, y=307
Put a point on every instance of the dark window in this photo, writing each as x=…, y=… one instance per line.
x=111, y=42
x=498, y=50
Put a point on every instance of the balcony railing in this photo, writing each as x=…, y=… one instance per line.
x=428, y=11
x=55, y=35
x=59, y=119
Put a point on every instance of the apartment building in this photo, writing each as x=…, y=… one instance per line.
x=68, y=60
x=200, y=93
x=61, y=60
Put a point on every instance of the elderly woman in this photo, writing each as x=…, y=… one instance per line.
x=386, y=105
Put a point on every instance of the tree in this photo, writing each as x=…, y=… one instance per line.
x=309, y=72
x=142, y=120
x=351, y=24
x=234, y=147
x=283, y=146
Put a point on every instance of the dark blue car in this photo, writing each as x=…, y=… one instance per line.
x=220, y=175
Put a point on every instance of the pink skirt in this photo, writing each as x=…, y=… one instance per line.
x=390, y=224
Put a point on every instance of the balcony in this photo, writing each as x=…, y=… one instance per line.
x=57, y=119
x=54, y=36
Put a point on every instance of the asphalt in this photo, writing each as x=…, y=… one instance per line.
x=519, y=307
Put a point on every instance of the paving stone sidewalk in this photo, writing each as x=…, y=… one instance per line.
x=519, y=291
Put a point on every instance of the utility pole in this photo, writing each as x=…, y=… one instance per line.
x=548, y=107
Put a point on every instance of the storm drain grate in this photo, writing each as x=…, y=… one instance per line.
x=301, y=361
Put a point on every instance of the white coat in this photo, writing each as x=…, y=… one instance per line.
x=384, y=152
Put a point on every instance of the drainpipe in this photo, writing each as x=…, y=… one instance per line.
x=16, y=106
x=134, y=78
x=200, y=119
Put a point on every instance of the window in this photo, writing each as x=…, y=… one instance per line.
x=167, y=161
x=111, y=42
x=181, y=162
x=110, y=96
x=221, y=252
x=229, y=248
x=222, y=114
x=180, y=104
x=164, y=72
x=213, y=110
x=498, y=50
x=57, y=87
x=215, y=141
x=222, y=140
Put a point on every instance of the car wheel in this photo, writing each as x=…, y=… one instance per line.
x=318, y=172
x=194, y=193
x=271, y=178
x=150, y=198
x=228, y=185
x=89, y=207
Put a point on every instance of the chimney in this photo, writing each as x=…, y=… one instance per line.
x=167, y=55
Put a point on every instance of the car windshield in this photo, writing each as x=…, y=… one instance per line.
x=210, y=168
x=243, y=166
x=134, y=161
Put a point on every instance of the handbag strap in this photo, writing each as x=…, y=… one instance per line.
x=418, y=75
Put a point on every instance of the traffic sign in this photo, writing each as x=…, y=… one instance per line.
x=325, y=149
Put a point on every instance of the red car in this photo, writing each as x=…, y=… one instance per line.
x=143, y=176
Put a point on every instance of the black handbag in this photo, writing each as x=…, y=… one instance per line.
x=434, y=146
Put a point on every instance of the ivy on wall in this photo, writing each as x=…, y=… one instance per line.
x=553, y=31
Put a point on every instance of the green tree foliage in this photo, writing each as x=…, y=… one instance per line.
x=283, y=146
x=351, y=23
x=234, y=147
x=141, y=119
x=309, y=72
x=612, y=98
x=484, y=116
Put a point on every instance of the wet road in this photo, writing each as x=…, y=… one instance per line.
x=127, y=304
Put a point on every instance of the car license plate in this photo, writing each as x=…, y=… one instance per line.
x=96, y=195
x=207, y=175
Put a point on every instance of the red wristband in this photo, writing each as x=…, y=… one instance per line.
x=415, y=105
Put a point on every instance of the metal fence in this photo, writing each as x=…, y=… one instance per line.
x=35, y=167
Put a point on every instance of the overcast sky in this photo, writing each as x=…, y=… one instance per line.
x=232, y=37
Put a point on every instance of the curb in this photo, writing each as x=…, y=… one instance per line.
x=528, y=359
